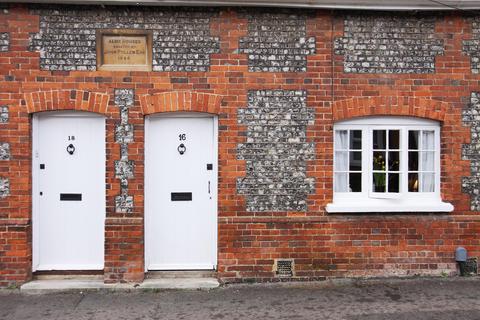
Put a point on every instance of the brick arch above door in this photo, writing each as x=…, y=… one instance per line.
x=69, y=99
x=180, y=101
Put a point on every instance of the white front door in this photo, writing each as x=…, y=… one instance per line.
x=180, y=193
x=68, y=191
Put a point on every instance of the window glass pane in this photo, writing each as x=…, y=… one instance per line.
x=394, y=160
x=379, y=160
x=379, y=139
x=393, y=182
x=427, y=182
x=355, y=182
x=413, y=161
x=341, y=139
x=428, y=161
x=394, y=139
x=356, y=139
x=413, y=139
x=341, y=161
x=428, y=141
x=379, y=182
x=355, y=160
x=341, y=182
x=413, y=182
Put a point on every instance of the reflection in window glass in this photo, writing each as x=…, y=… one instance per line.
x=356, y=139
x=421, y=161
x=394, y=161
x=341, y=182
x=341, y=139
x=413, y=140
x=341, y=161
x=393, y=182
x=355, y=161
x=379, y=182
x=413, y=182
x=348, y=161
x=428, y=140
x=355, y=182
x=428, y=161
x=379, y=139
x=412, y=160
x=427, y=183
x=386, y=163
x=394, y=139
x=379, y=160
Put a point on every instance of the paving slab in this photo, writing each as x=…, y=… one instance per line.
x=185, y=283
x=67, y=285
x=45, y=286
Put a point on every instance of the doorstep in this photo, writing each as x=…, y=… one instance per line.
x=68, y=285
x=180, y=283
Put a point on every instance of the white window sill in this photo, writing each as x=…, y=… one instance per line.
x=362, y=207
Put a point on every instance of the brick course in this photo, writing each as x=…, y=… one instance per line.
x=253, y=229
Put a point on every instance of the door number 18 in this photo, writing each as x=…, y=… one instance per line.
x=182, y=137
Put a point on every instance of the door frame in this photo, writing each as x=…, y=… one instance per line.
x=149, y=237
x=35, y=174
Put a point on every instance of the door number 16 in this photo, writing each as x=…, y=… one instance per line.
x=182, y=137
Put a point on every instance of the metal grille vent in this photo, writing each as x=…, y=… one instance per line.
x=284, y=268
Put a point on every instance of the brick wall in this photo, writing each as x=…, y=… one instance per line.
x=277, y=80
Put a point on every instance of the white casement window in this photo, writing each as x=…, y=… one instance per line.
x=387, y=164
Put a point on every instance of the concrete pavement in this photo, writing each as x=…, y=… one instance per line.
x=423, y=298
x=70, y=285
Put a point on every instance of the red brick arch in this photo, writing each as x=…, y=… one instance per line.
x=186, y=101
x=392, y=106
x=66, y=100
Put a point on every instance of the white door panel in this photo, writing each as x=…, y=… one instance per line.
x=69, y=191
x=180, y=233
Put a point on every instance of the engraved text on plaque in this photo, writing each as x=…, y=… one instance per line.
x=126, y=50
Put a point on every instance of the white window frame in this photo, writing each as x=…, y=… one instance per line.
x=404, y=201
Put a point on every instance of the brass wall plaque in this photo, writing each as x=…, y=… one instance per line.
x=124, y=50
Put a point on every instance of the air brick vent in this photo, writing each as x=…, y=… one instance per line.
x=284, y=268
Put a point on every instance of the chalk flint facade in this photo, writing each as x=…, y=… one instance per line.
x=66, y=40
x=274, y=84
x=389, y=44
x=276, y=177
